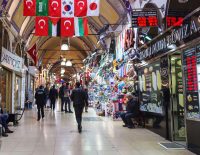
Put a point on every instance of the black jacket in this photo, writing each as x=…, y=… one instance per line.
x=79, y=97
x=132, y=106
x=53, y=94
x=40, y=97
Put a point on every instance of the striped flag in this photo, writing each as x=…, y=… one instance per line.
x=54, y=27
x=81, y=26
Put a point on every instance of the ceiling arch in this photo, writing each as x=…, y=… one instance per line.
x=111, y=12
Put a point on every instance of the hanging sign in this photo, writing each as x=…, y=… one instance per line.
x=11, y=61
x=144, y=19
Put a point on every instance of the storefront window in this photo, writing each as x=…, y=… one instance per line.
x=17, y=92
x=150, y=88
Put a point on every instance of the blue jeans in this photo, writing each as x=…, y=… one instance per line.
x=3, y=120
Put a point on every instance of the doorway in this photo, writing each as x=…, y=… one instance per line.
x=177, y=99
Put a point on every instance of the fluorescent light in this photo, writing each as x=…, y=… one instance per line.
x=68, y=63
x=148, y=38
x=94, y=53
x=64, y=47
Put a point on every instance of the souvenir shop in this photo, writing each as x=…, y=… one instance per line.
x=171, y=62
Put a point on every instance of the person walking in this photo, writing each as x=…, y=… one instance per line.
x=40, y=97
x=86, y=104
x=47, y=90
x=66, y=97
x=79, y=99
x=53, y=95
x=61, y=95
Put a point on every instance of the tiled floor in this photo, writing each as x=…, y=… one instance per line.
x=57, y=135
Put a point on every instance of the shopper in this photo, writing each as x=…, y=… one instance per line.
x=61, y=95
x=3, y=122
x=53, y=95
x=66, y=98
x=132, y=110
x=79, y=99
x=40, y=97
x=46, y=90
x=86, y=103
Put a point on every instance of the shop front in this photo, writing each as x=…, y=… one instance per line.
x=11, y=81
x=172, y=62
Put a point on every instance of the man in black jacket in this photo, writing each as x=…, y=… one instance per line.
x=79, y=99
x=40, y=101
x=132, y=110
x=53, y=95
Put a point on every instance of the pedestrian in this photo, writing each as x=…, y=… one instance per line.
x=79, y=99
x=61, y=95
x=46, y=90
x=66, y=98
x=40, y=98
x=53, y=95
x=86, y=103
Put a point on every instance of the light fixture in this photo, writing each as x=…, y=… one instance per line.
x=68, y=63
x=62, y=75
x=64, y=47
x=63, y=63
x=62, y=71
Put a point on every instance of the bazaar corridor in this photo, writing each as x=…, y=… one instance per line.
x=57, y=135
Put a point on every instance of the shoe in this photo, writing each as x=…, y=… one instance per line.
x=8, y=131
x=43, y=117
x=79, y=128
x=125, y=125
x=86, y=111
x=131, y=127
x=4, y=134
x=66, y=111
x=70, y=111
x=38, y=119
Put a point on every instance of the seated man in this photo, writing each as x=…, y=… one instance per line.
x=132, y=110
x=3, y=122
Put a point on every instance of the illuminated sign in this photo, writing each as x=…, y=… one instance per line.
x=174, y=21
x=144, y=19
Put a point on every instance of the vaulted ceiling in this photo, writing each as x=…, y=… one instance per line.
x=111, y=12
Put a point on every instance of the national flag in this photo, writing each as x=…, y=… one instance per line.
x=33, y=53
x=41, y=26
x=42, y=7
x=80, y=8
x=81, y=26
x=67, y=8
x=93, y=7
x=29, y=7
x=55, y=8
x=54, y=27
x=67, y=27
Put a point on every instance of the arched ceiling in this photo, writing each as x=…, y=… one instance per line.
x=111, y=12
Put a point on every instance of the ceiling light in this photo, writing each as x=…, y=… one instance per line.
x=64, y=47
x=68, y=63
x=63, y=63
x=62, y=75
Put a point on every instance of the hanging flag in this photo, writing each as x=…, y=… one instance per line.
x=81, y=26
x=42, y=7
x=29, y=7
x=33, y=53
x=41, y=26
x=80, y=7
x=67, y=8
x=54, y=27
x=67, y=27
x=93, y=7
x=55, y=8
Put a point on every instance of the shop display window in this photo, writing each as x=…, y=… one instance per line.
x=150, y=88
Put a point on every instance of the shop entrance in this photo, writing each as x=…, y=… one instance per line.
x=177, y=99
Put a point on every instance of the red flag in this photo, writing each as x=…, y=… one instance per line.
x=29, y=7
x=67, y=27
x=55, y=8
x=41, y=26
x=33, y=53
x=80, y=7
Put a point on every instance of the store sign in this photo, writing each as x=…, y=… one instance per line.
x=174, y=21
x=176, y=35
x=11, y=61
x=144, y=19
